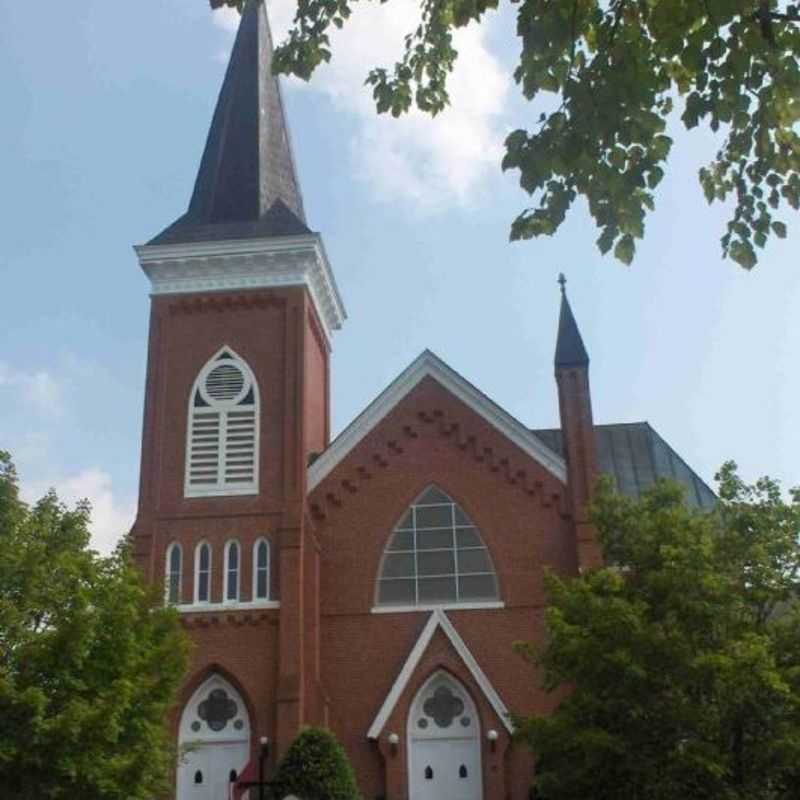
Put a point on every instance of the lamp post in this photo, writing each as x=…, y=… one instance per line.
x=262, y=757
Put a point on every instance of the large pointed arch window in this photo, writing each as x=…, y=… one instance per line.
x=436, y=556
x=222, y=438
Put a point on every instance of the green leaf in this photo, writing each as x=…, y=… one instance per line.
x=625, y=249
x=780, y=229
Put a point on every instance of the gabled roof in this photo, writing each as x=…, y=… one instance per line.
x=570, y=351
x=430, y=365
x=635, y=456
x=437, y=620
x=247, y=185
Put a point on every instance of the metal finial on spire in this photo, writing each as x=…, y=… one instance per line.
x=562, y=280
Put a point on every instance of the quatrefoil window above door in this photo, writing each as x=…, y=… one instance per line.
x=444, y=744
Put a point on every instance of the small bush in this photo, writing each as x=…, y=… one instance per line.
x=316, y=767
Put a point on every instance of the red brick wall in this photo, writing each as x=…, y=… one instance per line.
x=277, y=334
x=523, y=524
x=324, y=655
x=316, y=410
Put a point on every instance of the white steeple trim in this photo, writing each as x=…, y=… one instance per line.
x=438, y=619
x=428, y=364
x=247, y=264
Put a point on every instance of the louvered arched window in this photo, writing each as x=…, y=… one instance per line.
x=261, y=567
x=436, y=556
x=222, y=437
x=174, y=573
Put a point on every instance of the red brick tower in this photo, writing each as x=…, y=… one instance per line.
x=577, y=426
x=237, y=400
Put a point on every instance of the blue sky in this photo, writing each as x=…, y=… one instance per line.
x=105, y=111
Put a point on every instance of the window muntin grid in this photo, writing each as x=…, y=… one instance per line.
x=202, y=576
x=232, y=572
x=174, y=570
x=261, y=567
x=436, y=556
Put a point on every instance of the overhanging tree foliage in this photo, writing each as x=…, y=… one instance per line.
x=621, y=70
x=90, y=661
x=680, y=667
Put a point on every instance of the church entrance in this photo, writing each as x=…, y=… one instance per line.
x=215, y=741
x=444, y=743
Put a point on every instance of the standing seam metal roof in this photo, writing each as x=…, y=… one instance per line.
x=636, y=456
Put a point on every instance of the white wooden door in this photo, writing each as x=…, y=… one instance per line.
x=444, y=745
x=446, y=770
x=215, y=741
x=206, y=772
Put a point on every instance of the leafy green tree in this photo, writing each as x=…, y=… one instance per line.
x=90, y=660
x=316, y=767
x=617, y=69
x=680, y=667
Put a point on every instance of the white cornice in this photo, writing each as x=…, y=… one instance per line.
x=431, y=365
x=247, y=264
x=438, y=619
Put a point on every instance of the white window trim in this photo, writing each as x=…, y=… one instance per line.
x=257, y=542
x=438, y=619
x=387, y=608
x=226, y=576
x=407, y=609
x=168, y=573
x=196, y=589
x=219, y=490
x=188, y=608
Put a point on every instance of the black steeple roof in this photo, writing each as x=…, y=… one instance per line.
x=570, y=351
x=246, y=186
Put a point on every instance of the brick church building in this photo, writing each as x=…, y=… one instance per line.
x=373, y=583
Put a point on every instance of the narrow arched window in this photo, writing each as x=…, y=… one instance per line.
x=261, y=567
x=232, y=572
x=174, y=569
x=202, y=573
x=223, y=423
x=436, y=556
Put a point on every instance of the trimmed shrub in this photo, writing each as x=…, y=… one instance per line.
x=316, y=767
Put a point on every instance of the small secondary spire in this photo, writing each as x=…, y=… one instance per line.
x=570, y=350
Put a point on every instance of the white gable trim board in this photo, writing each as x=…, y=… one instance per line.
x=430, y=365
x=438, y=619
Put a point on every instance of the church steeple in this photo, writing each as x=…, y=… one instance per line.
x=246, y=185
x=570, y=351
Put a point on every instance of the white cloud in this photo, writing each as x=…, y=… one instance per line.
x=112, y=517
x=39, y=389
x=427, y=163
x=226, y=18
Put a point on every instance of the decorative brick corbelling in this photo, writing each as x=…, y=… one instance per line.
x=436, y=422
x=199, y=304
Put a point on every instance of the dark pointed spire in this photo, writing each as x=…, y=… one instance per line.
x=570, y=351
x=247, y=185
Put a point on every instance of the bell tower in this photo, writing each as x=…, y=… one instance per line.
x=243, y=308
